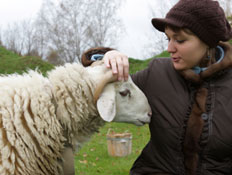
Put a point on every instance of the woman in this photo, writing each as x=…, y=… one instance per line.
x=190, y=93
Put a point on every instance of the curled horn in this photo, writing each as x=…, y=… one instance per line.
x=107, y=78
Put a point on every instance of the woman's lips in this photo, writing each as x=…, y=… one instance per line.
x=175, y=59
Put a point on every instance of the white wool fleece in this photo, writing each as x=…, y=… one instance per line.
x=31, y=130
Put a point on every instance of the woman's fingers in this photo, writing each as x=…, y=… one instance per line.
x=120, y=68
x=114, y=66
x=119, y=64
x=106, y=61
x=126, y=67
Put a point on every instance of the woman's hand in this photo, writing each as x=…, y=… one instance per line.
x=119, y=64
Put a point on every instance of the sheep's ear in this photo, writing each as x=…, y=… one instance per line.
x=106, y=104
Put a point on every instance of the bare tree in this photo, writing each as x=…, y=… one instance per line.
x=12, y=38
x=67, y=28
x=75, y=25
x=1, y=44
x=156, y=41
x=228, y=8
x=54, y=58
x=19, y=37
x=41, y=35
x=104, y=24
x=226, y=5
x=28, y=37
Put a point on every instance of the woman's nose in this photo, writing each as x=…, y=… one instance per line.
x=171, y=47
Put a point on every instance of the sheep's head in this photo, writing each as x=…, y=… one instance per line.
x=124, y=102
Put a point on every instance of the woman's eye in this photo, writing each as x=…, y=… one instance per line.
x=168, y=39
x=176, y=40
x=180, y=41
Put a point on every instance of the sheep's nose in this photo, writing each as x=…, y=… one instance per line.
x=149, y=114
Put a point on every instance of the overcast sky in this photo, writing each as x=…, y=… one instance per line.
x=135, y=15
x=133, y=12
x=16, y=10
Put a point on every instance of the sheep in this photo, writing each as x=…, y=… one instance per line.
x=40, y=116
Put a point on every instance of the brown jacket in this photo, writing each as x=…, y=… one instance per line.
x=171, y=98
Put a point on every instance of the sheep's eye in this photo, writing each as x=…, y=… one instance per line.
x=125, y=93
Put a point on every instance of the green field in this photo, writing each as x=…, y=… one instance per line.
x=93, y=158
x=13, y=63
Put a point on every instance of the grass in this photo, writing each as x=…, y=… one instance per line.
x=13, y=63
x=136, y=65
x=93, y=158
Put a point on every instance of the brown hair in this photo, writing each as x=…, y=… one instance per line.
x=178, y=29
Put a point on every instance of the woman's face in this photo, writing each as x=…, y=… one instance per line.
x=186, y=49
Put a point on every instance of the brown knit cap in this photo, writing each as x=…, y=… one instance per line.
x=205, y=18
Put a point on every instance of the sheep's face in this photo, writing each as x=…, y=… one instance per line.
x=124, y=102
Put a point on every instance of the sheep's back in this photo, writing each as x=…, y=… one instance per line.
x=29, y=131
